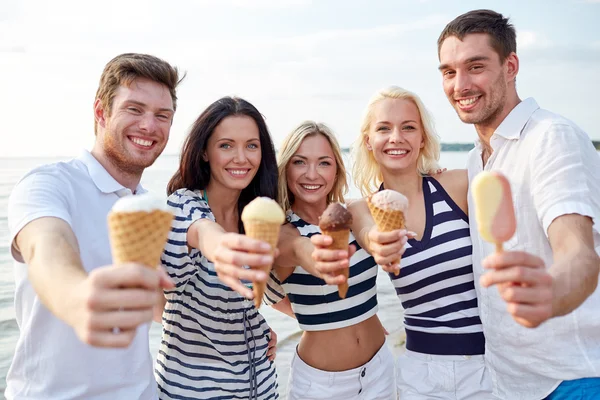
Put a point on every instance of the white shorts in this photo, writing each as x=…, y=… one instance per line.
x=427, y=376
x=372, y=381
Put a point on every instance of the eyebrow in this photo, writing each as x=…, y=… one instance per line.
x=467, y=61
x=233, y=140
x=139, y=103
x=403, y=122
x=306, y=158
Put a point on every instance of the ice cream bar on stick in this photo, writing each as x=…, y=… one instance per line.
x=387, y=209
x=138, y=227
x=336, y=221
x=494, y=208
x=262, y=219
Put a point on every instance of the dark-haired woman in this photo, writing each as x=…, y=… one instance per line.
x=215, y=344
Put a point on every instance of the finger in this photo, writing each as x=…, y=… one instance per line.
x=125, y=275
x=334, y=279
x=411, y=234
x=392, y=250
x=331, y=267
x=236, y=285
x=165, y=280
x=109, y=339
x=245, y=243
x=528, y=315
x=321, y=240
x=351, y=250
x=381, y=238
x=526, y=295
x=239, y=273
x=507, y=259
x=393, y=268
x=519, y=275
x=104, y=300
x=124, y=320
x=330, y=255
x=239, y=258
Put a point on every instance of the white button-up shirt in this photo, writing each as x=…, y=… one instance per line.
x=554, y=170
x=50, y=361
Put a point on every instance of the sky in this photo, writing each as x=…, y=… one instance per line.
x=293, y=59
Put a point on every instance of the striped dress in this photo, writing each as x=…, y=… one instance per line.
x=316, y=304
x=214, y=341
x=436, y=284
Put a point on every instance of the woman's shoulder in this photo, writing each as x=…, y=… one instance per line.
x=453, y=180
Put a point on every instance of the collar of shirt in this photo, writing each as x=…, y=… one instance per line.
x=515, y=121
x=102, y=179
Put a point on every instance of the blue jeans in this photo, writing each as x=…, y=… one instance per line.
x=579, y=389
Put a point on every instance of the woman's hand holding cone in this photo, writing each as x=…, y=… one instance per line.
x=330, y=262
x=387, y=248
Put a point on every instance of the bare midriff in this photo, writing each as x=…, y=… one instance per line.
x=342, y=349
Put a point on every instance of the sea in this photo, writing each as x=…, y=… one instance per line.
x=155, y=179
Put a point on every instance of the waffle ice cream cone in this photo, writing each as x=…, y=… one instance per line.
x=138, y=229
x=340, y=242
x=262, y=219
x=387, y=209
x=335, y=222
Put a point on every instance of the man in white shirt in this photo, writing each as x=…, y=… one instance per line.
x=542, y=319
x=84, y=322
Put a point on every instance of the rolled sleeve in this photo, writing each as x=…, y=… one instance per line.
x=44, y=192
x=274, y=293
x=177, y=258
x=563, y=181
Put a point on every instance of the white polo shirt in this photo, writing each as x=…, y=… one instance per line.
x=554, y=170
x=50, y=361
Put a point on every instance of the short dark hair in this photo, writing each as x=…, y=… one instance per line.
x=503, y=37
x=125, y=68
x=194, y=171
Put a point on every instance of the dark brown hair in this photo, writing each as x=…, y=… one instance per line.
x=125, y=68
x=503, y=37
x=194, y=171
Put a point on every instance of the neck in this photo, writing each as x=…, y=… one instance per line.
x=129, y=180
x=486, y=129
x=409, y=183
x=309, y=212
x=222, y=200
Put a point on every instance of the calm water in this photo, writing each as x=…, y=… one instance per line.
x=155, y=179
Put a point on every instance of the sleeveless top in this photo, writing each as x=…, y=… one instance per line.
x=436, y=284
x=214, y=341
x=316, y=304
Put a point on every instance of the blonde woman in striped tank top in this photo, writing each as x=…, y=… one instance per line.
x=444, y=336
x=342, y=353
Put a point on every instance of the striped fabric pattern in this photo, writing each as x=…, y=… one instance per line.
x=436, y=285
x=316, y=304
x=214, y=341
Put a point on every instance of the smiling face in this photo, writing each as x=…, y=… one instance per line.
x=395, y=134
x=233, y=152
x=136, y=130
x=311, y=172
x=475, y=81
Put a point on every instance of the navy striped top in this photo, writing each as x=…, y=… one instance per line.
x=214, y=341
x=436, y=285
x=318, y=305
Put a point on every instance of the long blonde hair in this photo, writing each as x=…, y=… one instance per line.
x=290, y=146
x=365, y=170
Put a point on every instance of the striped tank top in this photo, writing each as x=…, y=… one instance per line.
x=436, y=284
x=214, y=341
x=316, y=304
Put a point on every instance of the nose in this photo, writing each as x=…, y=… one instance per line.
x=240, y=156
x=147, y=123
x=462, y=82
x=311, y=172
x=396, y=136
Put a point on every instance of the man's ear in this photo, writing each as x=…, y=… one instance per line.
x=512, y=66
x=99, y=113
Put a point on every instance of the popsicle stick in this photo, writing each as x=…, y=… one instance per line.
x=499, y=247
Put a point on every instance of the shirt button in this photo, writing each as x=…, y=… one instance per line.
x=362, y=373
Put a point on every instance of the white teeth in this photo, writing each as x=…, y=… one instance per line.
x=396, y=152
x=238, y=171
x=311, y=187
x=467, y=102
x=142, y=142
